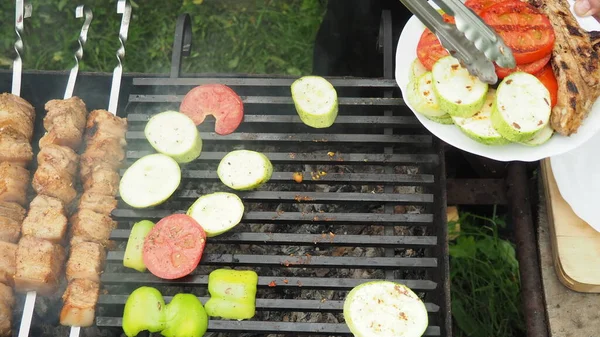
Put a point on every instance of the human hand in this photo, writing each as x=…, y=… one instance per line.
x=584, y=8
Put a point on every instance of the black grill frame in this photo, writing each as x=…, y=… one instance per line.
x=418, y=148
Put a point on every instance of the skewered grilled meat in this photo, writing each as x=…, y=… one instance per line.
x=7, y=262
x=576, y=65
x=14, y=181
x=80, y=300
x=39, y=264
x=99, y=203
x=16, y=113
x=46, y=219
x=60, y=157
x=105, y=142
x=10, y=229
x=7, y=302
x=12, y=211
x=102, y=180
x=65, y=122
x=14, y=147
x=48, y=180
x=86, y=261
x=89, y=226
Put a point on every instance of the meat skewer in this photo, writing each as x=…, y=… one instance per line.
x=40, y=255
x=17, y=118
x=91, y=225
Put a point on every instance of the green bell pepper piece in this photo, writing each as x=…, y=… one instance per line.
x=135, y=245
x=232, y=294
x=144, y=310
x=185, y=317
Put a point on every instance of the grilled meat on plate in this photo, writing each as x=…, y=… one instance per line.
x=576, y=65
x=46, y=219
x=14, y=181
x=39, y=265
x=65, y=122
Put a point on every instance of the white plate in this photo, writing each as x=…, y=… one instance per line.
x=407, y=53
x=577, y=175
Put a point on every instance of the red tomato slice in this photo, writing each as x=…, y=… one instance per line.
x=479, y=6
x=214, y=99
x=546, y=76
x=531, y=68
x=429, y=48
x=523, y=28
x=174, y=247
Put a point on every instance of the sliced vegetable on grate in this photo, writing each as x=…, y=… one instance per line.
x=244, y=170
x=232, y=294
x=217, y=212
x=175, y=135
x=174, y=247
x=150, y=181
x=185, y=317
x=217, y=100
x=383, y=309
x=145, y=310
x=316, y=101
x=133, y=252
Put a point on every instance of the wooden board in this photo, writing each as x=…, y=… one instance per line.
x=575, y=244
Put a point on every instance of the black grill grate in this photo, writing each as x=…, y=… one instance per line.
x=378, y=212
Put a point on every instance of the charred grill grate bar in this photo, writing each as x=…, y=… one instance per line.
x=370, y=205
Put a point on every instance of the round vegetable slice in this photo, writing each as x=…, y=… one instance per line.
x=531, y=68
x=150, y=181
x=479, y=126
x=540, y=137
x=429, y=48
x=315, y=100
x=524, y=29
x=548, y=79
x=445, y=119
x=521, y=108
x=383, y=309
x=174, y=246
x=175, y=135
x=459, y=93
x=217, y=212
x=244, y=170
x=214, y=99
x=422, y=98
x=417, y=69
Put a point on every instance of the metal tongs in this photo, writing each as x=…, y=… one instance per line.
x=470, y=40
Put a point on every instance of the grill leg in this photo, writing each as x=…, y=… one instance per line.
x=532, y=295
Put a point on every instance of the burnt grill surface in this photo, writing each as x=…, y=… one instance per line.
x=370, y=206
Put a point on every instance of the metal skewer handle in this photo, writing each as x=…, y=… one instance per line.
x=123, y=7
x=22, y=11
x=79, y=12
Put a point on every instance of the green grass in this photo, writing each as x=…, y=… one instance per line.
x=245, y=36
x=484, y=274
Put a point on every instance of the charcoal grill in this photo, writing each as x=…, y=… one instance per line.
x=372, y=203
x=359, y=178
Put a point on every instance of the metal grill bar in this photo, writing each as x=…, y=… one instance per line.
x=300, y=137
x=304, y=261
x=272, y=304
x=394, y=121
x=279, y=327
x=330, y=157
x=263, y=282
x=369, y=101
x=312, y=239
x=264, y=82
x=295, y=217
